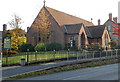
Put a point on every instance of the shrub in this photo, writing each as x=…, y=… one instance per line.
x=54, y=46
x=12, y=52
x=94, y=46
x=113, y=44
x=40, y=47
x=24, y=47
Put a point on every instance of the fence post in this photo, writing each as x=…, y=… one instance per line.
x=106, y=53
x=46, y=57
x=77, y=55
x=93, y=54
x=68, y=54
x=6, y=60
x=65, y=55
x=85, y=55
x=7, y=57
x=100, y=54
x=116, y=53
x=111, y=53
x=27, y=55
x=35, y=55
x=54, y=55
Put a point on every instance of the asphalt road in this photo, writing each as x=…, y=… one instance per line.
x=106, y=72
x=14, y=70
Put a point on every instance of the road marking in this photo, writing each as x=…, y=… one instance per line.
x=71, y=78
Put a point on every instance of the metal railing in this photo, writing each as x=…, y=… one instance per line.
x=52, y=56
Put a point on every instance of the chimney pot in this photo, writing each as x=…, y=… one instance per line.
x=115, y=19
x=98, y=21
x=27, y=28
x=110, y=16
x=4, y=27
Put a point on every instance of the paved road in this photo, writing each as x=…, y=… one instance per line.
x=10, y=71
x=14, y=70
x=107, y=72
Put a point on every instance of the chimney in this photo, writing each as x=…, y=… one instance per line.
x=98, y=21
x=115, y=19
x=27, y=28
x=4, y=27
x=110, y=16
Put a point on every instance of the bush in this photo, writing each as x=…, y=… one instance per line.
x=113, y=44
x=12, y=52
x=94, y=46
x=40, y=47
x=24, y=47
x=54, y=46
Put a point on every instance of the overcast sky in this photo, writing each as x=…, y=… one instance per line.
x=86, y=9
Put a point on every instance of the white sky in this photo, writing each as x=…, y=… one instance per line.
x=86, y=9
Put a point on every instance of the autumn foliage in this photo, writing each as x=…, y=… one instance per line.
x=17, y=34
x=17, y=38
x=42, y=24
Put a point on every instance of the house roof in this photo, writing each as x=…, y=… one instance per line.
x=95, y=31
x=65, y=19
x=108, y=21
x=72, y=28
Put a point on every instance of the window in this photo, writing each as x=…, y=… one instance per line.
x=72, y=41
x=109, y=27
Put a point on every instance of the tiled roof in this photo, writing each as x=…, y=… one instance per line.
x=95, y=31
x=65, y=19
x=72, y=28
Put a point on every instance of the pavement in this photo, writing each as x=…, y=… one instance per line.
x=106, y=72
x=14, y=70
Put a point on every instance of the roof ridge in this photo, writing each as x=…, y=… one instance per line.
x=96, y=26
x=73, y=24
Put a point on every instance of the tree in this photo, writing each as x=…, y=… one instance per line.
x=17, y=34
x=15, y=22
x=42, y=24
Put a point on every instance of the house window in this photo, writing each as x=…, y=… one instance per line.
x=106, y=39
x=109, y=27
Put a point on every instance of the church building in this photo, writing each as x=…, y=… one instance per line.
x=67, y=30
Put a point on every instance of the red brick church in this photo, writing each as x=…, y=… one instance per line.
x=68, y=30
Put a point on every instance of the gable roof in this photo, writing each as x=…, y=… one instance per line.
x=95, y=31
x=72, y=28
x=108, y=21
x=65, y=19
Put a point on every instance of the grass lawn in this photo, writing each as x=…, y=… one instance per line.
x=38, y=57
x=44, y=56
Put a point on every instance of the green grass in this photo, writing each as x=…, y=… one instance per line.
x=44, y=56
x=38, y=57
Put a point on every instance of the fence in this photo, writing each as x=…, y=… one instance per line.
x=52, y=56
